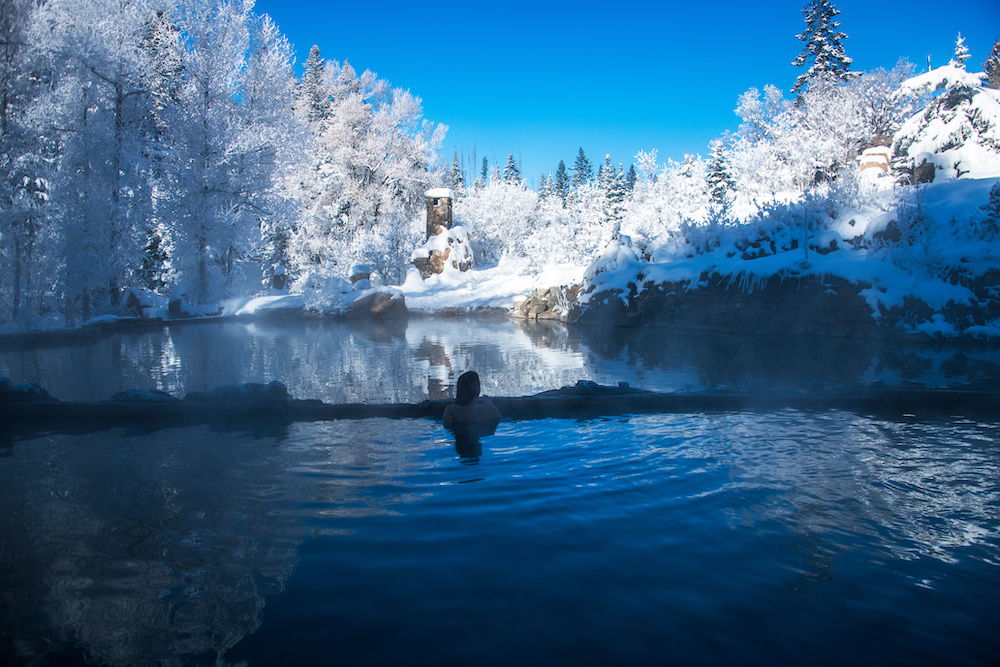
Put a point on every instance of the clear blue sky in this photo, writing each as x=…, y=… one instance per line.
x=542, y=79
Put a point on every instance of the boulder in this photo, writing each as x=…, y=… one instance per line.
x=379, y=305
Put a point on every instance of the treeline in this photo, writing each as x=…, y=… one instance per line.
x=166, y=145
x=785, y=148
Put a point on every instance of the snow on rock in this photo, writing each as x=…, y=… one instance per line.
x=326, y=294
x=448, y=251
x=493, y=287
x=915, y=258
x=285, y=303
x=379, y=303
x=143, y=396
x=273, y=393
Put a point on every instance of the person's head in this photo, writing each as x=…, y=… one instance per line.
x=467, y=389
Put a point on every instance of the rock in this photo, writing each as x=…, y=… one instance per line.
x=250, y=394
x=379, y=305
x=890, y=234
x=547, y=304
x=143, y=395
x=924, y=173
x=26, y=392
x=176, y=309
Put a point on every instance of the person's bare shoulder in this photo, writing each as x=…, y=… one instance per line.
x=485, y=410
x=449, y=415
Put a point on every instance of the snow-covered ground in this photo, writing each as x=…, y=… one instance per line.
x=499, y=286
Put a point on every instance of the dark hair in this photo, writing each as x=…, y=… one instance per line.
x=467, y=389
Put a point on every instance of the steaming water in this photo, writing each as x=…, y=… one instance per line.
x=776, y=538
x=785, y=537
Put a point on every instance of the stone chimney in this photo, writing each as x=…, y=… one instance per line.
x=438, y=210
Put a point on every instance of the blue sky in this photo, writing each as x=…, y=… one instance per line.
x=542, y=79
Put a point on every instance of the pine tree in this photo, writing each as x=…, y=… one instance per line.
x=511, y=173
x=545, y=185
x=822, y=46
x=630, y=178
x=561, y=185
x=720, y=178
x=457, y=181
x=992, y=67
x=606, y=174
x=312, y=92
x=582, y=170
x=485, y=173
x=961, y=53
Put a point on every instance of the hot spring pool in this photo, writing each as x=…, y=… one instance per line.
x=736, y=538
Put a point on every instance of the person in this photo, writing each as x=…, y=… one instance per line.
x=469, y=408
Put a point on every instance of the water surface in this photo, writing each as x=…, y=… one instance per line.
x=412, y=361
x=783, y=537
x=751, y=538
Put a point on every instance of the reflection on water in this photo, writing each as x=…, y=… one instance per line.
x=626, y=540
x=146, y=548
x=421, y=359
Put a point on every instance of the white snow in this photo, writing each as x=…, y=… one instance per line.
x=439, y=193
x=496, y=287
x=262, y=304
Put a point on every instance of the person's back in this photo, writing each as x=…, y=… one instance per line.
x=469, y=407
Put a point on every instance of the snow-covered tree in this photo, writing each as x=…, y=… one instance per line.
x=720, y=178
x=364, y=189
x=822, y=48
x=881, y=107
x=511, y=172
x=961, y=53
x=630, y=178
x=561, y=184
x=761, y=115
x=234, y=139
x=313, y=96
x=959, y=130
x=106, y=99
x=582, y=170
x=455, y=179
x=611, y=184
x=991, y=68
x=26, y=164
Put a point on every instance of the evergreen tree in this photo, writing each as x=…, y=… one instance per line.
x=821, y=46
x=561, y=185
x=582, y=170
x=961, y=53
x=720, y=178
x=611, y=183
x=511, y=173
x=312, y=93
x=606, y=174
x=992, y=67
x=545, y=186
x=630, y=178
x=457, y=181
x=484, y=174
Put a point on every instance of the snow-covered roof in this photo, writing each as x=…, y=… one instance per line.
x=438, y=193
